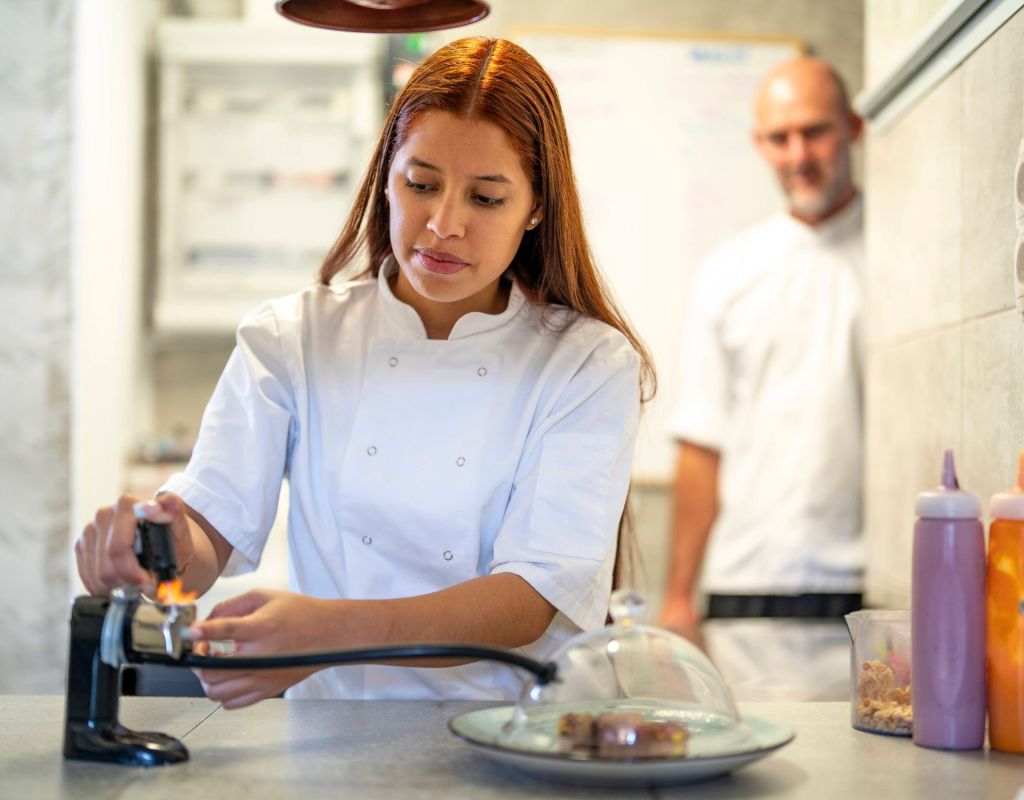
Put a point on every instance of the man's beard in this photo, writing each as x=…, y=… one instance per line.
x=815, y=205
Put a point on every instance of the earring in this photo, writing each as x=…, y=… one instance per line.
x=533, y=221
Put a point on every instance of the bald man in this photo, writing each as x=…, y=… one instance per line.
x=767, y=496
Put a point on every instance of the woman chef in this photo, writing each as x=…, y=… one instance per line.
x=455, y=422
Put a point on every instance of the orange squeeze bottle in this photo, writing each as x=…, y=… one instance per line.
x=1005, y=611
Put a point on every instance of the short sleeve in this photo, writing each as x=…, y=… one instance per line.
x=560, y=529
x=234, y=476
x=702, y=411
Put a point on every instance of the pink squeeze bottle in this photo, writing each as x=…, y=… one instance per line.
x=948, y=618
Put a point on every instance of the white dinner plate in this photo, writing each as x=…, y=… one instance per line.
x=482, y=729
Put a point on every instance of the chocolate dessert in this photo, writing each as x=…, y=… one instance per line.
x=620, y=735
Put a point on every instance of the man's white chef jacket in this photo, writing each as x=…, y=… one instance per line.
x=772, y=363
x=417, y=464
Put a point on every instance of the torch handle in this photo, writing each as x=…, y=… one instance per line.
x=154, y=547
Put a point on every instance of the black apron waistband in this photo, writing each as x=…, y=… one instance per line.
x=724, y=606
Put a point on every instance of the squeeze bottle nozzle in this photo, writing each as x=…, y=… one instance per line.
x=948, y=500
x=949, y=480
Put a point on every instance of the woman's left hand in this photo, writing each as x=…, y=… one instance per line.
x=260, y=622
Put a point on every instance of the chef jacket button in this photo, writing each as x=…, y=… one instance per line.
x=447, y=555
x=460, y=461
x=393, y=361
x=371, y=450
x=367, y=540
x=482, y=371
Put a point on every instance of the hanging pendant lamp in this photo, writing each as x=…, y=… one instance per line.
x=384, y=16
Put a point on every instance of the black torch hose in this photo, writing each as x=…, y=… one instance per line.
x=545, y=672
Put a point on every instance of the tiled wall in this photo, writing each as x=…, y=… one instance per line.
x=35, y=324
x=945, y=343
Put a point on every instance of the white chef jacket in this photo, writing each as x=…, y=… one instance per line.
x=772, y=364
x=416, y=464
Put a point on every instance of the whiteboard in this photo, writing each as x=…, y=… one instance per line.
x=660, y=134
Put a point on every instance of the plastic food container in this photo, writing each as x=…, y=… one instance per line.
x=880, y=671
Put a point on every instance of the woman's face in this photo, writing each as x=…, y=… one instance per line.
x=459, y=204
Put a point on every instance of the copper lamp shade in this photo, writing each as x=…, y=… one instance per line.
x=384, y=16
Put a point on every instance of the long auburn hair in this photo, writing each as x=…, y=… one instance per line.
x=497, y=81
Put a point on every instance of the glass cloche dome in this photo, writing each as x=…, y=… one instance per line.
x=627, y=691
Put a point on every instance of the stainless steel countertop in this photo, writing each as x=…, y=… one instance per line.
x=402, y=749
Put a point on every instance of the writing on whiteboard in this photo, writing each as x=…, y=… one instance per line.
x=732, y=54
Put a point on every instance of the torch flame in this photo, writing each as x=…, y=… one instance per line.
x=170, y=593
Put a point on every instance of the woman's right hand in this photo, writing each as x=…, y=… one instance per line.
x=105, y=551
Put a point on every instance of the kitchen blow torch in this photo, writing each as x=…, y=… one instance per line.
x=108, y=633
